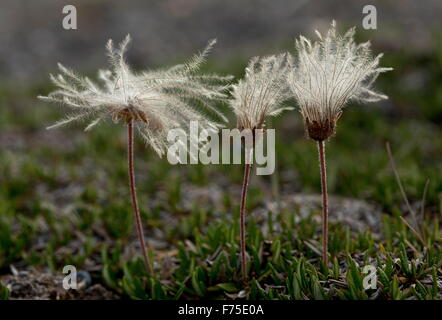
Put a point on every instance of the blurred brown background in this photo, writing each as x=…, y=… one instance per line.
x=32, y=39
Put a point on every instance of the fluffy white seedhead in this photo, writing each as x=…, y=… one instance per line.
x=155, y=101
x=261, y=92
x=328, y=73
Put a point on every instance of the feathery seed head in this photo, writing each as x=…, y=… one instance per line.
x=261, y=92
x=155, y=101
x=328, y=73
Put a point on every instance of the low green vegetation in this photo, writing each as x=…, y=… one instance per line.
x=64, y=200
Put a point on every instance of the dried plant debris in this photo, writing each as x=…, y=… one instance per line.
x=359, y=215
x=34, y=285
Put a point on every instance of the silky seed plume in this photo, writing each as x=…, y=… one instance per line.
x=156, y=101
x=261, y=92
x=328, y=73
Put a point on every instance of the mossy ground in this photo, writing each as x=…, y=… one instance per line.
x=64, y=200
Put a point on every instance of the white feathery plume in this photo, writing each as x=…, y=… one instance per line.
x=328, y=73
x=156, y=101
x=261, y=92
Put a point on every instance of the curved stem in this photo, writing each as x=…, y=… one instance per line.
x=133, y=192
x=242, y=217
x=322, y=164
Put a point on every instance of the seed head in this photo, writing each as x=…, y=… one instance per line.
x=155, y=101
x=328, y=73
x=261, y=92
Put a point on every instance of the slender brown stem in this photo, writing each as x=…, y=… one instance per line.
x=321, y=150
x=242, y=217
x=133, y=192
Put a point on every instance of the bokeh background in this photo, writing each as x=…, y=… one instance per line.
x=64, y=195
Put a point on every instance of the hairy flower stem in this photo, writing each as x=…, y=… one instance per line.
x=321, y=150
x=133, y=191
x=242, y=217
